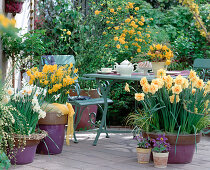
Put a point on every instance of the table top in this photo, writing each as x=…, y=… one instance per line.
x=133, y=77
x=118, y=77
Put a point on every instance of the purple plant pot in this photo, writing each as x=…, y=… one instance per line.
x=53, y=143
x=24, y=156
x=184, y=154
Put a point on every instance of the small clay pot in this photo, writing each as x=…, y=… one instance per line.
x=143, y=155
x=160, y=159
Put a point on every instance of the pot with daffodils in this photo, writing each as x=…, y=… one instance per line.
x=160, y=56
x=57, y=81
x=178, y=107
x=26, y=114
x=143, y=150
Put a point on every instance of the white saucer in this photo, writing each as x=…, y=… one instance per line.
x=104, y=72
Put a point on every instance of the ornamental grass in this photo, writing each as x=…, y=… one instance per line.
x=179, y=105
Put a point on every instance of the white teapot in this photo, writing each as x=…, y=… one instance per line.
x=125, y=68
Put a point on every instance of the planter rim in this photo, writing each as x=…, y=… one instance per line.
x=35, y=136
x=183, y=139
x=171, y=134
x=157, y=154
x=143, y=148
x=53, y=118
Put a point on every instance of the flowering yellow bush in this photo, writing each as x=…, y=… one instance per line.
x=159, y=53
x=171, y=105
x=6, y=22
x=57, y=80
x=127, y=32
x=194, y=9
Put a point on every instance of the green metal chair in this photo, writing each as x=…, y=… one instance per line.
x=202, y=66
x=67, y=59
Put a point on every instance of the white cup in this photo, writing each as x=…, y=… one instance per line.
x=106, y=69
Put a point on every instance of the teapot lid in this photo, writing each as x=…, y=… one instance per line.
x=125, y=62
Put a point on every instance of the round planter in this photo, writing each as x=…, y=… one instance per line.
x=54, y=124
x=160, y=159
x=84, y=121
x=181, y=152
x=143, y=155
x=12, y=6
x=25, y=154
x=157, y=66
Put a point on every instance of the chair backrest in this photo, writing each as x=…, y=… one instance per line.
x=202, y=66
x=201, y=63
x=58, y=59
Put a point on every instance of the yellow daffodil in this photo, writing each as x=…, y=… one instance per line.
x=146, y=88
x=173, y=97
x=153, y=88
x=127, y=87
x=139, y=96
x=161, y=73
x=179, y=80
x=176, y=89
x=143, y=81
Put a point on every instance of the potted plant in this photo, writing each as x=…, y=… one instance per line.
x=88, y=90
x=26, y=114
x=160, y=56
x=13, y=6
x=178, y=107
x=57, y=81
x=143, y=150
x=160, y=151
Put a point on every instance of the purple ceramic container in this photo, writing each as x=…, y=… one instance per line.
x=54, y=143
x=24, y=156
x=184, y=154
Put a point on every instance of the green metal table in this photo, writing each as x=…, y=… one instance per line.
x=104, y=82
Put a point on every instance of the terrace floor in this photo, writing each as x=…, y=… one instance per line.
x=117, y=152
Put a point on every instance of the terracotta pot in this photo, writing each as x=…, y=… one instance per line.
x=93, y=93
x=24, y=153
x=53, y=118
x=12, y=6
x=84, y=121
x=160, y=159
x=157, y=66
x=54, y=123
x=143, y=155
x=183, y=151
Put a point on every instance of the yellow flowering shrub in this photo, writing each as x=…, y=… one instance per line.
x=175, y=104
x=127, y=33
x=57, y=80
x=194, y=9
x=6, y=22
